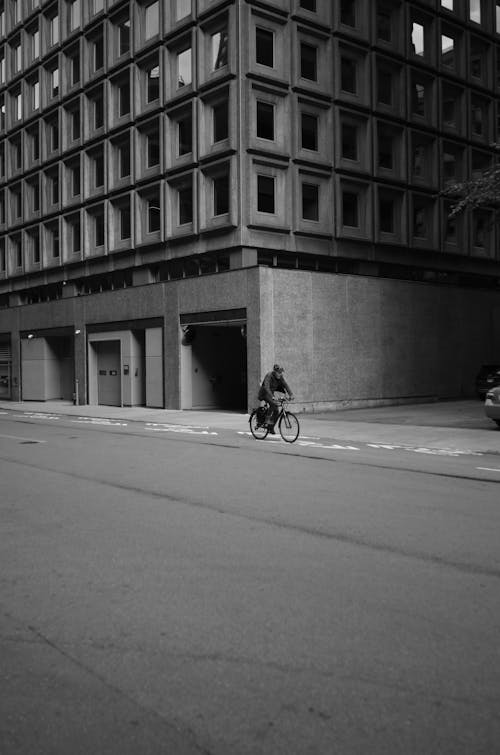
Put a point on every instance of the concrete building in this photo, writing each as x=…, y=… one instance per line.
x=191, y=190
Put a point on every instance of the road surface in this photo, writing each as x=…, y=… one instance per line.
x=178, y=590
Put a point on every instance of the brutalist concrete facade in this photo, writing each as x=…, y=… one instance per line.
x=192, y=190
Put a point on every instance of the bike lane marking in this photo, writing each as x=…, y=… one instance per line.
x=488, y=469
x=24, y=439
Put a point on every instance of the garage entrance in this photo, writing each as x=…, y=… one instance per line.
x=214, y=364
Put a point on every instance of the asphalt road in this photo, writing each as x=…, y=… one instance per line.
x=173, y=591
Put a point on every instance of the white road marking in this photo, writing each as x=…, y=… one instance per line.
x=99, y=421
x=160, y=427
x=488, y=469
x=40, y=415
x=425, y=450
x=17, y=437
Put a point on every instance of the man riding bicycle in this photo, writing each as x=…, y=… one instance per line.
x=273, y=381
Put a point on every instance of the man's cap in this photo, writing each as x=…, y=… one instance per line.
x=277, y=368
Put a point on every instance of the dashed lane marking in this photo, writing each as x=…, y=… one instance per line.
x=488, y=469
x=100, y=421
x=425, y=450
x=40, y=415
x=160, y=427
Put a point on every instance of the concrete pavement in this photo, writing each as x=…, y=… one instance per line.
x=459, y=425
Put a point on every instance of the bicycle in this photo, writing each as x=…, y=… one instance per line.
x=287, y=422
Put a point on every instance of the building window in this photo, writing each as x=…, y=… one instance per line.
x=309, y=131
x=475, y=11
x=448, y=4
x=417, y=39
x=221, y=194
x=219, y=49
x=185, y=198
x=265, y=194
x=184, y=71
x=308, y=62
x=384, y=86
x=74, y=15
x=75, y=180
x=151, y=20
x=265, y=120
x=152, y=83
x=349, y=147
x=309, y=5
x=97, y=108
x=53, y=239
x=185, y=134
x=98, y=6
x=386, y=215
x=123, y=98
x=264, y=47
x=35, y=245
x=384, y=23
x=310, y=201
x=35, y=94
x=53, y=29
x=348, y=75
x=497, y=18
x=74, y=63
x=220, y=121
x=153, y=148
x=350, y=214
x=54, y=82
x=418, y=99
x=123, y=30
x=348, y=12
x=123, y=159
x=75, y=123
x=74, y=233
x=153, y=208
x=182, y=9
x=97, y=46
x=447, y=51
x=98, y=218
x=125, y=221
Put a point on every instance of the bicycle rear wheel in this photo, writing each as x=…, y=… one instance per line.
x=258, y=431
x=289, y=427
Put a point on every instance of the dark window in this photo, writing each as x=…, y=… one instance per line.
x=349, y=141
x=75, y=124
x=99, y=170
x=265, y=194
x=153, y=149
x=123, y=98
x=309, y=131
x=219, y=49
x=75, y=235
x=220, y=116
x=75, y=69
x=386, y=215
x=308, y=62
x=99, y=229
x=418, y=99
x=124, y=36
x=264, y=47
x=124, y=159
x=125, y=222
x=55, y=189
x=75, y=180
x=221, y=195
x=308, y=5
x=265, y=120
x=310, y=201
x=348, y=12
x=98, y=111
x=98, y=52
x=350, y=209
x=185, y=205
x=153, y=84
x=185, y=127
x=385, y=150
x=348, y=75
x=384, y=86
x=384, y=24
x=154, y=213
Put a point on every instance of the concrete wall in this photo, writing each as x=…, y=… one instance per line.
x=353, y=340
x=154, y=367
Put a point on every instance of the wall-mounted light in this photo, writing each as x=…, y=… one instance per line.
x=77, y=332
x=243, y=331
x=189, y=334
x=31, y=335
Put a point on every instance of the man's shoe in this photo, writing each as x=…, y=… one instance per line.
x=271, y=430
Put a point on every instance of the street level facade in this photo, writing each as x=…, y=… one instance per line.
x=192, y=190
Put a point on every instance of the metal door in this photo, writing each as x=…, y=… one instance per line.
x=109, y=391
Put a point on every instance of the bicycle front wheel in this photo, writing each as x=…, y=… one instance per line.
x=289, y=427
x=258, y=431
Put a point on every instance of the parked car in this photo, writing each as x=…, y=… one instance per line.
x=492, y=404
x=487, y=377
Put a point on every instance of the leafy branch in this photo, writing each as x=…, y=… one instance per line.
x=475, y=193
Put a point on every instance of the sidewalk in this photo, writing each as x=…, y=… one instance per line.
x=459, y=425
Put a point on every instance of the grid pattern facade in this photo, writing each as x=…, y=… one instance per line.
x=153, y=139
